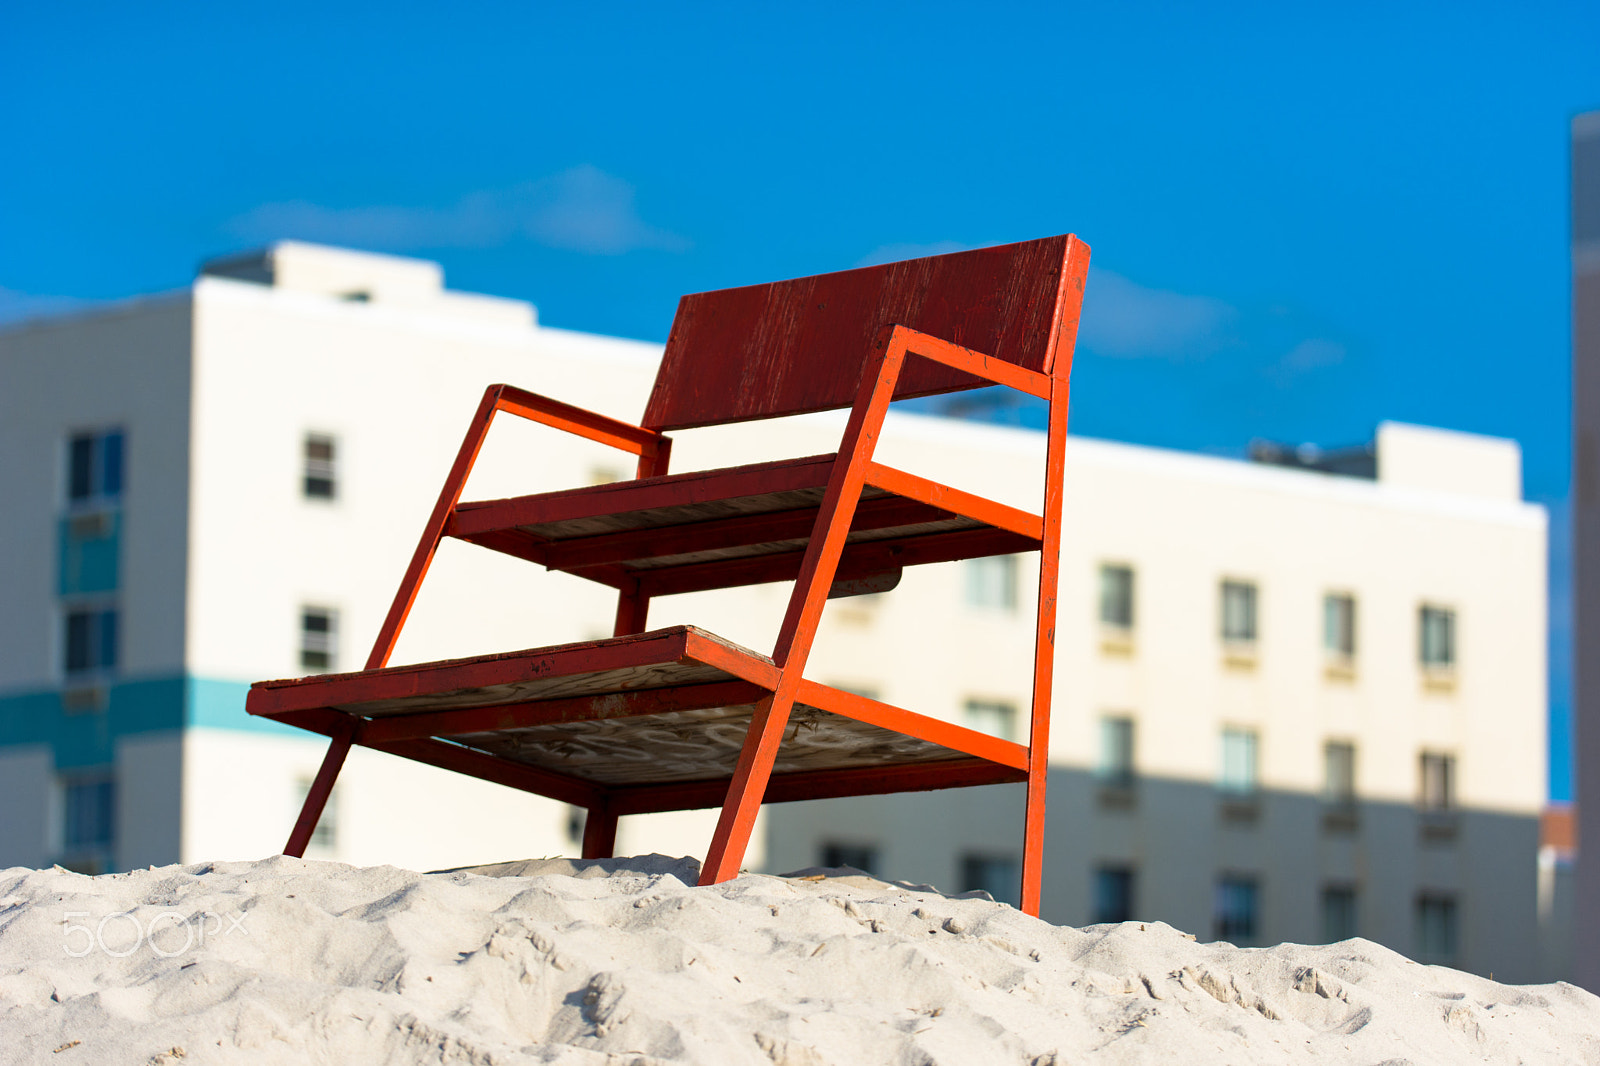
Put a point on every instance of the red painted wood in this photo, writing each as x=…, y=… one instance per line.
x=859, y=560
x=600, y=832
x=743, y=664
x=486, y=767
x=819, y=784
x=909, y=723
x=544, y=712
x=397, y=682
x=963, y=503
x=596, y=427
x=716, y=533
x=321, y=789
x=978, y=364
x=670, y=490
x=1049, y=572
x=802, y=345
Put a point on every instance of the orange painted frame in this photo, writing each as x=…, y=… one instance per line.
x=853, y=470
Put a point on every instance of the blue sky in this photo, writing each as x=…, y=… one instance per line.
x=1305, y=218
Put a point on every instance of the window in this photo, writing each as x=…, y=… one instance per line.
x=1236, y=907
x=1339, y=773
x=992, y=582
x=1338, y=913
x=89, y=814
x=326, y=834
x=1436, y=928
x=998, y=718
x=1113, y=894
x=90, y=644
x=1339, y=626
x=1238, y=778
x=1116, y=596
x=321, y=482
x=863, y=857
x=1115, y=767
x=94, y=468
x=1438, y=782
x=1238, y=612
x=319, y=638
x=1000, y=876
x=1438, y=637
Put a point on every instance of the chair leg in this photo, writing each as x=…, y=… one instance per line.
x=317, y=798
x=599, y=833
x=633, y=608
x=1033, y=840
x=746, y=790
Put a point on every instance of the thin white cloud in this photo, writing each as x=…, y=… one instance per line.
x=893, y=253
x=18, y=306
x=1125, y=319
x=583, y=209
x=1121, y=318
x=1311, y=354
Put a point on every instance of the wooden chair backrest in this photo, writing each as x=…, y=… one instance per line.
x=790, y=347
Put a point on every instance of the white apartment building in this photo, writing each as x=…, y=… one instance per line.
x=1290, y=705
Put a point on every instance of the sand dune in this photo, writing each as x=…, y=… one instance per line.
x=621, y=963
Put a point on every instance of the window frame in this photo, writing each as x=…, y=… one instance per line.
x=1429, y=655
x=310, y=639
x=843, y=850
x=1437, y=793
x=1107, y=873
x=319, y=470
x=1339, y=635
x=1350, y=921
x=107, y=455
x=1119, y=593
x=1250, y=788
x=977, y=590
x=1116, y=759
x=1250, y=594
x=1224, y=925
x=104, y=634
x=1447, y=912
x=69, y=784
x=1344, y=796
x=998, y=874
x=1007, y=712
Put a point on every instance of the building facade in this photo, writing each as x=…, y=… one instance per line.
x=1290, y=704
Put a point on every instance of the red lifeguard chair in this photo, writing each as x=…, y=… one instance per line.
x=678, y=718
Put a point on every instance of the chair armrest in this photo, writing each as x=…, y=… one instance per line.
x=596, y=427
x=975, y=363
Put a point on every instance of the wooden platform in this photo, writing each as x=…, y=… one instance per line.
x=655, y=720
x=741, y=525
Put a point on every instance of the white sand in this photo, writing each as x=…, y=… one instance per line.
x=307, y=962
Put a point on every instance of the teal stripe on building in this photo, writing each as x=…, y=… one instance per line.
x=86, y=738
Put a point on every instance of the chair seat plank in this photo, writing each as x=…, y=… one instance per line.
x=663, y=715
x=721, y=534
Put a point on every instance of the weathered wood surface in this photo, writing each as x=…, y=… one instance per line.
x=617, y=664
x=697, y=745
x=793, y=346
